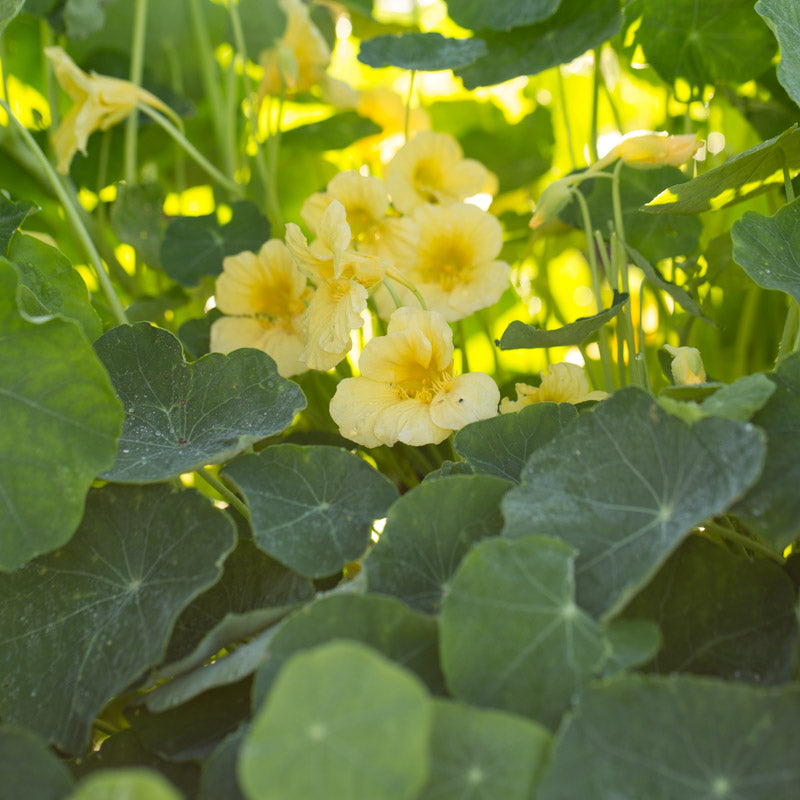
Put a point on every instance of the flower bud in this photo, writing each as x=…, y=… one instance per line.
x=687, y=365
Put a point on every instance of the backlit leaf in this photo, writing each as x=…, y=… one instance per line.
x=783, y=19
x=420, y=51
x=502, y=15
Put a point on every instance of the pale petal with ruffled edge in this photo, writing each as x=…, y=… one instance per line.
x=397, y=358
x=435, y=329
x=282, y=345
x=566, y=383
x=467, y=398
x=356, y=405
x=409, y=421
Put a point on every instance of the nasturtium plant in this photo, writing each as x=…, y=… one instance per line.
x=399, y=400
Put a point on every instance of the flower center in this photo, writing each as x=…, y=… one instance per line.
x=428, y=178
x=424, y=388
x=446, y=263
x=277, y=302
x=361, y=223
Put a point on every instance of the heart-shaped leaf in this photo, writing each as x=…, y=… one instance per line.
x=132, y=784
x=768, y=248
x=502, y=445
x=61, y=420
x=511, y=634
x=341, y=722
x=625, y=484
x=420, y=51
x=783, y=19
x=519, y=335
x=483, y=754
x=181, y=416
x=109, y=597
x=428, y=531
x=29, y=770
x=677, y=737
x=12, y=213
x=502, y=15
x=312, y=508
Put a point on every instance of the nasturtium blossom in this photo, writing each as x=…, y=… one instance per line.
x=266, y=297
x=653, y=150
x=100, y=103
x=343, y=279
x=687, y=365
x=366, y=206
x=431, y=168
x=566, y=383
x=407, y=391
x=454, y=266
x=300, y=57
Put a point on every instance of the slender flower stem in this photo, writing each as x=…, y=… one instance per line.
x=389, y=288
x=190, y=149
x=745, y=541
x=595, y=103
x=273, y=146
x=407, y=120
x=462, y=343
x=410, y=286
x=223, y=490
x=73, y=217
x=787, y=182
x=562, y=96
x=135, y=77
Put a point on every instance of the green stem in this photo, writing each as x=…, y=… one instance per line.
x=791, y=331
x=73, y=217
x=273, y=146
x=191, y=151
x=462, y=343
x=499, y=372
x=787, y=182
x=745, y=541
x=562, y=96
x=595, y=103
x=393, y=293
x=606, y=359
x=744, y=330
x=407, y=120
x=224, y=491
x=208, y=66
x=135, y=77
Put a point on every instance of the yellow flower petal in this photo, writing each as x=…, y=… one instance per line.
x=566, y=383
x=467, y=398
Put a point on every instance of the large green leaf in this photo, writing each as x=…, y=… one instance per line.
x=29, y=770
x=80, y=624
x=312, y=508
x=12, y=214
x=420, y=51
x=501, y=15
x=768, y=248
x=511, y=634
x=50, y=285
x=131, y=784
x=396, y=631
x=196, y=246
x=739, y=178
x=501, y=445
x=181, y=416
x=483, y=754
x=61, y=420
x=428, y=531
x=519, y=335
x=749, y=630
x=577, y=26
x=263, y=23
x=772, y=507
x=8, y=10
x=625, y=484
x=218, y=778
x=675, y=738
x=331, y=133
x=705, y=43
x=783, y=19
x=340, y=722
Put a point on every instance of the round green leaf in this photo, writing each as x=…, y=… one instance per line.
x=678, y=737
x=577, y=26
x=312, y=508
x=12, y=214
x=51, y=285
x=511, y=634
x=479, y=754
x=29, y=770
x=500, y=15
x=428, y=531
x=130, y=784
x=712, y=42
x=218, y=779
x=625, y=484
x=61, y=420
x=181, y=416
x=501, y=445
x=771, y=509
x=340, y=722
x=768, y=248
x=80, y=624
x=783, y=20
x=403, y=635
x=420, y=51
x=721, y=615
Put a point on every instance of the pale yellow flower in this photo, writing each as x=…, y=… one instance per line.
x=566, y=383
x=407, y=391
x=342, y=278
x=687, y=365
x=300, y=57
x=431, y=168
x=366, y=206
x=100, y=103
x=455, y=266
x=653, y=150
x=266, y=297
